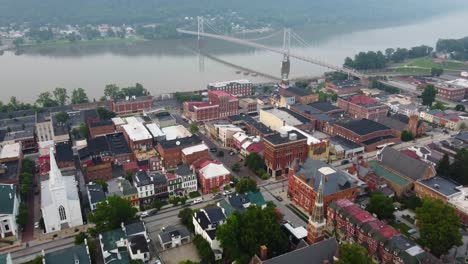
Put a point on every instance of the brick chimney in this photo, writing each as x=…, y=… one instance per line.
x=263, y=252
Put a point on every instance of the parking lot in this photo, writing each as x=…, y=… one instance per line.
x=178, y=254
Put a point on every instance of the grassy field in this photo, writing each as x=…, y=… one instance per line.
x=422, y=66
x=414, y=71
x=422, y=63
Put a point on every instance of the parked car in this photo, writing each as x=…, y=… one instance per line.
x=278, y=198
x=144, y=214
x=213, y=150
x=197, y=200
x=227, y=192
x=36, y=225
x=216, y=195
x=343, y=162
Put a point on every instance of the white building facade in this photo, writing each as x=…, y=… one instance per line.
x=60, y=203
x=8, y=210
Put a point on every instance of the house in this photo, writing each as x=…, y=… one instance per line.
x=74, y=254
x=174, y=185
x=212, y=176
x=145, y=186
x=96, y=194
x=304, y=180
x=241, y=201
x=206, y=222
x=8, y=211
x=325, y=251
x=174, y=236
x=138, y=241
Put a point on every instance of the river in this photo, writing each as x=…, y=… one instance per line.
x=174, y=65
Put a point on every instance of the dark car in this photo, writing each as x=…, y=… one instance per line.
x=343, y=162
x=213, y=150
x=279, y=198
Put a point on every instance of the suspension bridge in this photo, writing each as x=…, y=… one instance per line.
x=285, y=50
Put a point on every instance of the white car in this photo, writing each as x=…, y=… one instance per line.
x=36, y=225
x=227, y=192
x=197, y=200
x=144, y=214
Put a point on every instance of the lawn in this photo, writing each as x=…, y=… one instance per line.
x=423, y=63
x=414, y=71
x=194, y=195
x=402, y=228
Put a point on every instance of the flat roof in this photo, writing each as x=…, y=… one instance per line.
x=346, y=144
x=118, y=121
x=460, y=201
x=10, y=151
x=155, y=130
x=310, y=138
x=442, y=185
x=299, y=232
x=363, y=126
x=226, y=83
x=176, y=132
x=194, y=149
x=282, y=138
x=324, y=106
x=137, y=132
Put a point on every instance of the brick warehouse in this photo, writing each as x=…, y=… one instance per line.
x=131, y=105
x=236, y=87
x=362, y=106
x=303, y=182
x=220, y=105
x=281, y=150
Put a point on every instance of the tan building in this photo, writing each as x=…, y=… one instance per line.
x=276, y=118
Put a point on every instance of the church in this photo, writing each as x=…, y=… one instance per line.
x=60, y=203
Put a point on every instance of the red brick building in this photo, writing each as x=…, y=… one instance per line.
x=98, y=171
x=212, y=176
x=362, y=106
x=220, y=105
x=301, y=95
x=101, y=128
x=194, y=153
x=131, y=105
x=171, y=150
x=236, y=87
x=281, y=150
x=367, y=133
x=228, y=104
x=383, y=243
x=344, y=87
x=454, y=90
x=304, y=180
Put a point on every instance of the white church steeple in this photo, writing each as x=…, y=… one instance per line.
x=55, y=175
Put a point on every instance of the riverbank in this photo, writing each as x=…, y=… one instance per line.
x=94, y=42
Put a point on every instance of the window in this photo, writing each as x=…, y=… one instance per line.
x=63, y=215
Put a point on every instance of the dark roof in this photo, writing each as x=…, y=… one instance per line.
x=312, y=254
x=334, y=180
x=238, y=200
x=135, y=228
x=363, y=127
x=215, y=214
x=403, y=164
x=139, y=98
x=11, y=171
x=376, y=139
x=257, y=125
x=183, y=170
x=141, y=178
x=298, y=91
x=347, y=83
x=324, y=106
x=138, y=243
x=202, y=219
x=96, y=146
x=166, y=235
x=159, y=179
x=278, y=139
x=118, y=144
x=7, y=193
x=180, y=142
x=74, y=254
x=463, y=136
x=392, y=122
x=211, y=233
x=89, y=114
x=64, y=152
x=2, y=134
x=441, y=185
x=102, y=123
x=299, y=117
x=234, y=118
x=343, y=142
x=96, y=193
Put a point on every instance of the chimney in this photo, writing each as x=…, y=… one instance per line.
x=263, y=252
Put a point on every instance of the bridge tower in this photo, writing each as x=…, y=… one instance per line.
x=286, y=64
x=201, y=58
x=200, y=27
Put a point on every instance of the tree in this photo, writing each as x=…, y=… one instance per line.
x=382, y=206
x=443, y=166
x=18, y=42
x=459, y=167
x=157, y=204
x=246, y=185
x=60, y=95
x=103, y=184
x=194, y=128
x=22, y=217
x=79, y=96
x=105, y=114
x=406, y=136
x=462, y=126
x=236, y=167
x=79, y=239
x=112, y=91
x=110, y=33
x=428, y=95
x=186, y=217
x=62, y=117
x=438, y=105
x=45, y=100
x=460, y=107
x=84, y=131
x=437, y=71
x=254, y=162
x=204, y=249
x=353, y=253
x=242, y=234
x=438, y=226
x=111, y=213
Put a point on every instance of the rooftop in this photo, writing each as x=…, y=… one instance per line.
x=10, y=151
x=363, y=127
x=7, y=195
x=363, y=100
x=404, y=165
x=170, y=231
x=347, y=84
x=175, y=132
x=312, y=254
x=213, y=169
x=324, y=106
x=102, y=123
x=228, y=83
x=64, y=152
x=183, y=169
x=134, y=99
x=74, y=254
x=138, y=244
x=195, y=149
x=137, y=132
x=390, y=176
x=17, y=135
x=257, y=125
x=9, y=171
x=311, y=139
x=346, y=144
x=155, y=130
x=460, y=201
x=181, y=142
x=334, y=179
x=117, y=143
x=298, y=91
x=446, y=187
x=282, y=138
x=96, y=193
x=393, y=123
x=135, y=228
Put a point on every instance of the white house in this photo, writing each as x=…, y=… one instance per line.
x=60, y=203
x=189, y=178
x=9, y=207
x=172, y=236
x=205, y=222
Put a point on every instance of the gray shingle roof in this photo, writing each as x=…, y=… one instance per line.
x=403, y=164
x=312, y=254
x=7, y=195
x=364, y=126
x=74, y=254
x=166, y=235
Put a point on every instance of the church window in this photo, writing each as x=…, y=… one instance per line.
x=62, y=213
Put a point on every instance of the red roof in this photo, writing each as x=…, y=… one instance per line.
x=130, y=166
x=362, y=99
x=383, y=229
x=170, y=176
x=353, y=210
x=410, y=154
x=255, y=147
x=364, y=216
x=343, y=203
x=222, y=93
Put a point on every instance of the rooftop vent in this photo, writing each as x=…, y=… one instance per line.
x=293, y=136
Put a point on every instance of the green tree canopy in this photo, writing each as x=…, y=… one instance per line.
x=246, y=185
x=438, y=226
x=204, y=249
x=111, y=213
x=186, y=217
x=437, y=71
x=459, y=167
x=443, y=166
x=236, y=167
x=382, y=206
x=60, y=95
x=460, y=107
x=105, y=114
x=243, y=234
x=62, y=117
x=353, y=253
x=428, y=95
x=79, y=96
x=45, y=100
x=406, y=136
x=254, y=162
x=194, y=128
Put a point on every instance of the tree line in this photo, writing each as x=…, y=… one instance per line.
x=378, y=60
x=458, y=48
